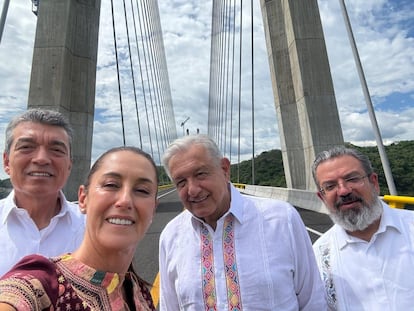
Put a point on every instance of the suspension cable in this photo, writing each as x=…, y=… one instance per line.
x=132, y=73
x=232, y=80
x=117, y=72
x=139, y=59
x=240, y=83
x=252, y=61
x=144, y=49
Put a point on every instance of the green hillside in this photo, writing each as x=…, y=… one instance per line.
x=269, y=168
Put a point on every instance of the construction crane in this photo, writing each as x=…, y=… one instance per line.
x=182, y=124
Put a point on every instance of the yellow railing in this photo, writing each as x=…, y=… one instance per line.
x=165, y=186
x=398, y=201
x=392, y=200
x=240, y=186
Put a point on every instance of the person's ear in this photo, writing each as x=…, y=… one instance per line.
x=320, y=196
x=6, y=161
x=225, y=165
x=82, y=198
x=373, y=179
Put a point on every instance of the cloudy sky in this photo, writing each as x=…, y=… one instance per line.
x=384, y=32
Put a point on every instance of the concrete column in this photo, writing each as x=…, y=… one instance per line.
x=307, y=114
x=64, y=73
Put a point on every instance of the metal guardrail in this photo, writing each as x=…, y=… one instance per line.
x=398, y=201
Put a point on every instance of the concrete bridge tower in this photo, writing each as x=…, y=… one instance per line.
x=64, y=72
x=302, y=86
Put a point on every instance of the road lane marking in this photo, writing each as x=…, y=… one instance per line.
x=314, y=231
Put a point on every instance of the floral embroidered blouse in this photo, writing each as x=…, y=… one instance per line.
x=64, y=283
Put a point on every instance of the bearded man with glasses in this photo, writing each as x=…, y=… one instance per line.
x=366, y=260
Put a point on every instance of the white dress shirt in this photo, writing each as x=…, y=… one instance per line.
x=374, y=275
x=275, y=261
x=19, y=235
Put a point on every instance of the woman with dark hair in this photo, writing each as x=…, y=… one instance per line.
x=119, y=198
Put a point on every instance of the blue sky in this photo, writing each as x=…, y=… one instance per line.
x=383, y=30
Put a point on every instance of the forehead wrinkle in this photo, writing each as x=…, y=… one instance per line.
x=191, y=172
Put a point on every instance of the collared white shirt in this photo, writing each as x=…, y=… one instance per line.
x=374, y=275
x=275, y=261
x=19, y=235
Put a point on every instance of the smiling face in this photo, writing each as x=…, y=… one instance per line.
x=39, y=159
x=202, y=183
x=120, y=201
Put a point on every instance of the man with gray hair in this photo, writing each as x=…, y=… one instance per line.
x=36, y=218
x=366, y=259
x=229, y=251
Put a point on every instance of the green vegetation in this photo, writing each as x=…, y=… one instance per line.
x=162, y=176
x=401, y=158
x=269, y=169
x=5, y=187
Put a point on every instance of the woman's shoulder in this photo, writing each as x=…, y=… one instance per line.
x=31, y=264
x=32, y=280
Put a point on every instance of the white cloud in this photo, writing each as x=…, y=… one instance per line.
x=383, y=31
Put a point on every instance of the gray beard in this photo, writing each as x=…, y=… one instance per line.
x=357, y=219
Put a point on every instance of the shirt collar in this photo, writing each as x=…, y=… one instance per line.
x=389, y=220
x=7, y=206
x=111, y=281
x=10, y=207
x=236, y=204
x=236, y=207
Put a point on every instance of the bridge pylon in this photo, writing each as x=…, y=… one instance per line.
x=303, y=90
x=64, y=73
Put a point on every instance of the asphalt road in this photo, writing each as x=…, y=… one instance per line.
x=146, y=256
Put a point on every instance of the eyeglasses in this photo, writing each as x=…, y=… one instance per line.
x=350, y=182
